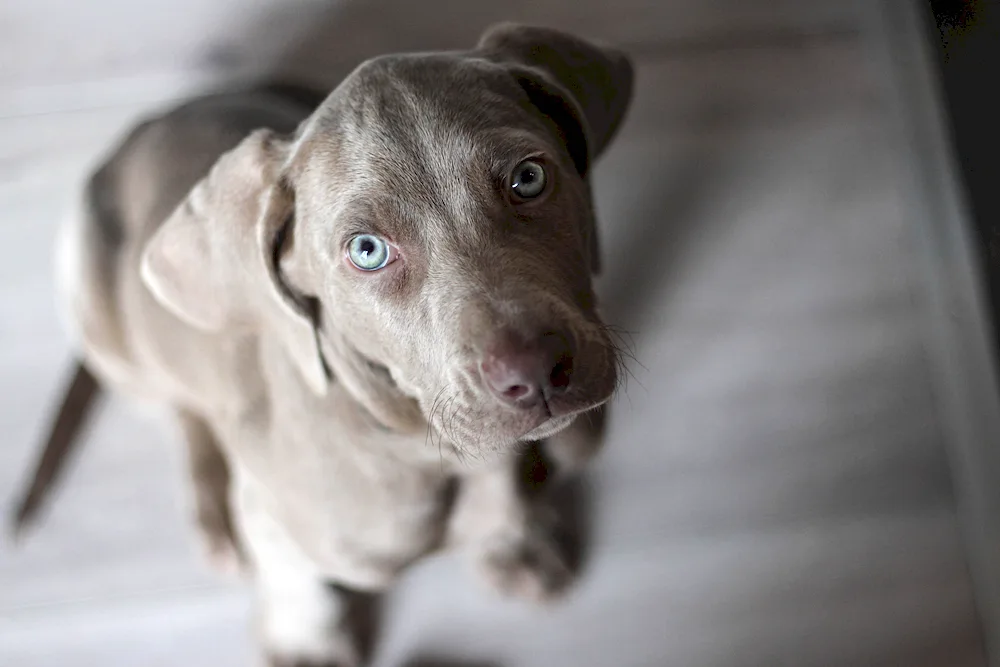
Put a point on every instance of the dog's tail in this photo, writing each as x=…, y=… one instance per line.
x=78, y=399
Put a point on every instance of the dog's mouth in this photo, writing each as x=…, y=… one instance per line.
x=549, y=427
x=478, y=423
x=463, y=409
x=491, y=433
x=466, y=409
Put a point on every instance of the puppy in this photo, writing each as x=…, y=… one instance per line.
x=355, y=305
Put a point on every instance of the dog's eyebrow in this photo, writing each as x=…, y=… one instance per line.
x=363, y=224
x=506, y=147
x=369, y=214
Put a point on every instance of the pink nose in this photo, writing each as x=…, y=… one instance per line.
x=527, y=374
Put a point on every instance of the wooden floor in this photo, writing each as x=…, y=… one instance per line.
x=775, y=491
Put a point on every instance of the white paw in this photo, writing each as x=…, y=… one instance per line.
x=298, y=649
x=313, y=661
x=308, y=662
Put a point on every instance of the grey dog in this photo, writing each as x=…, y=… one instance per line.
x=361, y=309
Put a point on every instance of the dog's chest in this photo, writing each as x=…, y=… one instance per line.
x=359, y=502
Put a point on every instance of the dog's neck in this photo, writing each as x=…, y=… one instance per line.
x=369, y=383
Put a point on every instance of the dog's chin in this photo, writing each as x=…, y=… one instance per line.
x=487, y=427
x=504, y=434
x=548, y=428
x=507, y=439
x=544, y=426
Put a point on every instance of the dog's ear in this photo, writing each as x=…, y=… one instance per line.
x=567, y=75
x=214, y=262
x=583, y=87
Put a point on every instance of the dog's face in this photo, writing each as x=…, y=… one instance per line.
x=429, y=236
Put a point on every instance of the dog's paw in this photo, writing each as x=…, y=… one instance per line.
x=533, y=568
x=336, y=652
x=275, y=661
x=308, y=631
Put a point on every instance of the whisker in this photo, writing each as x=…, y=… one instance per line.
x=429, y=436
x=430, y=417
x=448, y=413
x=624, y=373
x=623, y=350
x=473, y=450
x=626, y=347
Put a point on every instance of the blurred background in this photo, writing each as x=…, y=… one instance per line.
x=777, y=487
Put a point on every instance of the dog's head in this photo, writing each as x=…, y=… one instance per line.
x=427, y=237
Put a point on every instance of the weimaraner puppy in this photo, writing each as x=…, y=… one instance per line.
x=361, y=309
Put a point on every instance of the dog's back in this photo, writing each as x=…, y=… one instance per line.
x=131, y=194
x=126, y=198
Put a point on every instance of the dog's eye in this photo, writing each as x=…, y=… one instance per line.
x=368, y=252
x=527, y=180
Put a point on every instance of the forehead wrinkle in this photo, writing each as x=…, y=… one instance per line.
x=426, y=172
x=444, y=151
x=428, y=137
x=459, y=165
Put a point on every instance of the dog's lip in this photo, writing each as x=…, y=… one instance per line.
x=547, y=427
x=573, y=402
x=556, y=409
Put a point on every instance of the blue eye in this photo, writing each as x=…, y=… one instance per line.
x=528, y=179
x=368, y=252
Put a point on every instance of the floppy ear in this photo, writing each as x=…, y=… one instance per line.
x=583, y=87
x=368, y=383
x=213, y=263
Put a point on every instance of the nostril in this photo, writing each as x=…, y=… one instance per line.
x=516, y=391
x=508, y=380
x=559, y=378
x=560, y=354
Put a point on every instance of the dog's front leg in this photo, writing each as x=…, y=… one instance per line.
x=511, y=538
x=302, y=619
x=305, y=621
x=209, y=475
